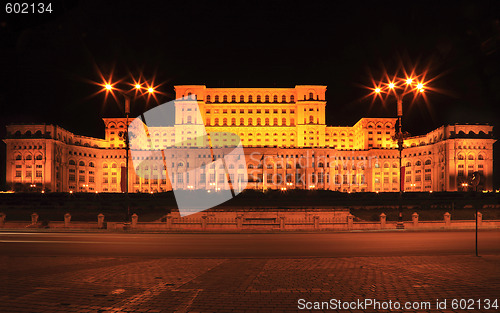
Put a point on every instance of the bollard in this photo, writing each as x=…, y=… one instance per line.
x=316, y=222
x=239, y=221
x=447, y=219
x=282, y=223
x=100, y=221
x=34, y=218
x=383, y=220
x=414, y=218
x=169, y=221
x=2, y=219
x=204, y=222
x=67, y=219
x=135, y=218
x=479, y=218
x=350, y=221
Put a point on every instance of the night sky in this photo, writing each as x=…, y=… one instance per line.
x=47, y=61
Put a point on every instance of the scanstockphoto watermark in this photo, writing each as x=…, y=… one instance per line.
x=374, y=304
x=363, y=304
x=181, y=121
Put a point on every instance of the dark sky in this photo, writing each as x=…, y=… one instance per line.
x=47, y=60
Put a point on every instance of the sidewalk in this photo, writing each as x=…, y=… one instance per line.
x=95, y=284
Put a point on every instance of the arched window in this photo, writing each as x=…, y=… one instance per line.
x=208, y=98
x=292, y=122
x=250, y=98
x=216, y=121
x=267, y=121
x=275, y=121
x=250, y=166
x=242, y=98
x=283, y=121
x=91, y=164
x=408, y=164
x=28, y=134
x=386, y=165
x=216, y=98
x=258, y=121
x=233, y=98
x=275, y=98
x=189, y=119
x=224, y=121
x=29, y=157
x=250, y=121
x=311, y=96
x=104, y=165
x=418, y=163
x=38, y=157
x=115, y=166
x=292, y=98
x=233, y=121
x=311, y=119
x=394, y=165
x=480, y=157
x=460, y=156
x=267, y=98
x=258, y=98
x=427, y=162
x=242, y=121
x=81, y=163
x=471, y=157
x=377, y=165
x=72, y=162
x=224, y=98
x=283, y=98
x=19, y=157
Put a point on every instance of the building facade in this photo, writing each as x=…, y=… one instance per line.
x=286, y=141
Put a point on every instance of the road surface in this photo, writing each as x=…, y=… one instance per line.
x=264, y=245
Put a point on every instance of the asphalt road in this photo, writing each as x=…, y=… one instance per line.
x=248, y=245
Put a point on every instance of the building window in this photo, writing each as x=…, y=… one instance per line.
x=208, y=100
x=233, y=98
x=224, y=98
x=292, y=98
x=242, y=98
x=267, y=98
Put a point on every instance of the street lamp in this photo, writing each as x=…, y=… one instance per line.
x=399, y=87
x=139, y=89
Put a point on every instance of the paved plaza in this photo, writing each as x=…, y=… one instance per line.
x=133, y=284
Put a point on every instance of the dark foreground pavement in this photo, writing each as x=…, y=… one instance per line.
x=38, y=281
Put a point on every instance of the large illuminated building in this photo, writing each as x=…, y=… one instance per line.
x=286, y=141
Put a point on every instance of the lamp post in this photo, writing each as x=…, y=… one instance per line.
x=399, y=88
x=138, y=90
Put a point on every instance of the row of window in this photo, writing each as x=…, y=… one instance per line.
x=81, y=163
x=29, y=157
x=217, y=122
x=250, y=111
x=250, y=98
x=470, y=157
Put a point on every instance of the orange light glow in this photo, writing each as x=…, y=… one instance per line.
x=420, y=86
x=391, y=85
x=108, y=86
x=409, y=81
x=377, y=90
x=151, y=90
x=137, y=86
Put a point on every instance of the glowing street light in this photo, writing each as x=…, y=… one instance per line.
x=399, y=87
x=132, y=91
